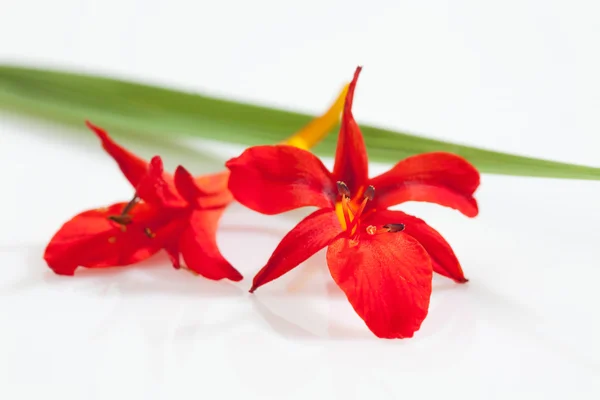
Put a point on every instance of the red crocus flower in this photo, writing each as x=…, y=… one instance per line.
x=176, y=213
x=382, y=259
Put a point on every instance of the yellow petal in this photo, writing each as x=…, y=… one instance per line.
x=319, y=127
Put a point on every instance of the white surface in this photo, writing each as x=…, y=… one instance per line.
x=517, y=76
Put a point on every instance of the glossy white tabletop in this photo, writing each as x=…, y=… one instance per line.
x=520, y=76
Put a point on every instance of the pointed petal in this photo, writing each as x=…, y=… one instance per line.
x=437, y=177
x=311, y=235
x=443, y=259
x=351, y=162
x=186, y=185
x=387, y=279
x=172, y=249
x=319, y=127
x=197, y=195
x=91, y=240
x=275, y=179
x=154, y=188
x=198, y=245
x=133, y=167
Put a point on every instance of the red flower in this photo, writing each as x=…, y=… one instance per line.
x=382, y=259
x=177, y=213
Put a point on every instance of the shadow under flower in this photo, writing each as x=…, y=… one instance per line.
x=155, y=275
x=279, y=305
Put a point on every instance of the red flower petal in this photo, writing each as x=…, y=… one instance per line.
x=351, y=162
x=275, y=179
x=195, y=194
x=443, y=259
x=198, y=245
x=214, y=183
x=438, y=177
x=154, y=189
x=215, y=188
x=91, y=240
x=172, y=249
x=387, y=279
x=133, y=167
x=311, y=235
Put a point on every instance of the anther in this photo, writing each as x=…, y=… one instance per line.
x=369, y=193
x=394, y=227
x=130, y=205
x=149, y=233
x=343, y=189
x=112, y=239
x=123, y=218
x=120, y=219
x=371, y=229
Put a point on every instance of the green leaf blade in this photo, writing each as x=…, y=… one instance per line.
x=127, y=107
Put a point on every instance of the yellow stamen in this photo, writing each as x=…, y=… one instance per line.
x=342, y=207
x=339, y=210
x=112, y=240
x=319, y=127
x=349, y=216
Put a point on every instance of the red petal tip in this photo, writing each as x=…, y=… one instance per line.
x=473, y=212
x=101, y=133
x=182, y=170
x=231, y=161
x=64, y=273
x=156, y=166
x=156, y=160
x=252, y=289
x=236, y=277
x=355, y=78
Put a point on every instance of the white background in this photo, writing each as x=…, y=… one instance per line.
x=518, y=76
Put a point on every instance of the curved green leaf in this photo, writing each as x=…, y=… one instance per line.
x=121, y=106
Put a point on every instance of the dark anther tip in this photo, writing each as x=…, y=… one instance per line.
x=369, y=192
x=394, y=227
x=120, y=219
x=343, y=189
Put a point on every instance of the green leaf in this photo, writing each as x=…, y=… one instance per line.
x=127, y=107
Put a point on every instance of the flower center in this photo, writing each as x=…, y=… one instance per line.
x=350, y=218
x=125, y=218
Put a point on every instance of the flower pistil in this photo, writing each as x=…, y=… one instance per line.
x=350, y=218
